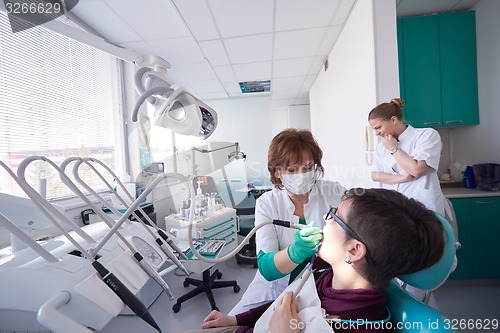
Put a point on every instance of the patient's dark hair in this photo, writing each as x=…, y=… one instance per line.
x=401, y=235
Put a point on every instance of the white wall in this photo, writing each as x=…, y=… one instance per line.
x=480, y=144
x=247, y=121
x=365, y=54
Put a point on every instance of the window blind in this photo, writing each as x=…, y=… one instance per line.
x=58, y=98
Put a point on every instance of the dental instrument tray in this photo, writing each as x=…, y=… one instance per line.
x=206, y=247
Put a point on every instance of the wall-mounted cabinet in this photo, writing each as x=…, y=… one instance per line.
x=438, y=69
x=478, y=222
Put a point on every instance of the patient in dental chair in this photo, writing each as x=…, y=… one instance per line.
x=373, y=236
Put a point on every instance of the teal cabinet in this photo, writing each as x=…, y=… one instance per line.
x=438, y=70
x=457, y=50
x=485, y=236
x=465, y=267
x=478, y=222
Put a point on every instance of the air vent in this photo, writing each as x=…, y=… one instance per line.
x=255, y=86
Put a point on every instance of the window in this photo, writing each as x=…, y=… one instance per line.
x=58, y=98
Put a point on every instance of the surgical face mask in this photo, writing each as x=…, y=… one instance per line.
x=299, y=183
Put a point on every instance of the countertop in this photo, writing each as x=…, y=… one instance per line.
x=462, y=192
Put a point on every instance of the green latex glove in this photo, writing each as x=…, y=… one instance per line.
x=304, y=245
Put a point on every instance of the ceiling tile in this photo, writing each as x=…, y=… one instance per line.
x=204, y=87
x=291, y=67
x=215, y=53
x=300, y=14
x=214, y=95
x=239, y=17
x=249, y=49
x=225, y=74
x=286, y=84
x=140, y=47
x=254, y=71
x=169, y=48
x=196, y=72
x=232, y=88
x=151, y=19
x=103, y=19
x=198, y=18
x=342, y=12
x=297, y=44
x=173, y=76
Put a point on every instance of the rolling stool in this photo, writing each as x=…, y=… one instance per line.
x=205, y=285
x=247, y=255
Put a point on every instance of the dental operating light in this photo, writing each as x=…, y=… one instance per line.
x=175, y=108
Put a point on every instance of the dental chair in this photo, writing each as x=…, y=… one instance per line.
x=414, y=315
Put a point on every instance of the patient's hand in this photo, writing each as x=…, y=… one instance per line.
x=218, y=319
x=285, y=317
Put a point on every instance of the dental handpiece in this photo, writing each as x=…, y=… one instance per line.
x=288, y=224
x=165, y=248
x=153, y=274
x=125, y=294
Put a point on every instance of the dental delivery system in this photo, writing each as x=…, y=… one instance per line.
x=165, y=247
x=73, y=297
x=59, y=278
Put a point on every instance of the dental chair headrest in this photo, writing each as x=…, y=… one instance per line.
x=433, y=277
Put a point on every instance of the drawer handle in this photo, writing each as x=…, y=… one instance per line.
x=217, y=225
x=453, y=121
x=220, y=232
x=232, y=240
x=432, y=123
x=484, y=202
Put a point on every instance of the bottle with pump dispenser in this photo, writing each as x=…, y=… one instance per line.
x=199, y=198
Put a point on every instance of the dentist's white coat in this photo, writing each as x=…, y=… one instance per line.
x=423, y=144
x=276, y=204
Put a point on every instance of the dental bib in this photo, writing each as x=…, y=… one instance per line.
x=309, y=309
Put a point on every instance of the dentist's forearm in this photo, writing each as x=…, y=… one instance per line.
x=412, y=167
x=283, y=262
x=387, y=178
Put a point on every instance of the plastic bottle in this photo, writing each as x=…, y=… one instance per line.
x=199, y=195
x=455, y=171
x=469, y=181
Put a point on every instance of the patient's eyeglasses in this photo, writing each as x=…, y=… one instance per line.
x=332, y=214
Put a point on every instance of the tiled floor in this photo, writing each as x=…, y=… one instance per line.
x=474, y=300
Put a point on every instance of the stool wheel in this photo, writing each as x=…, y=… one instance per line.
x=176, y=307
x=236, y=289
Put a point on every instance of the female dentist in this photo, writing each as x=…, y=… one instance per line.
x=407, y=158
x=299, y=196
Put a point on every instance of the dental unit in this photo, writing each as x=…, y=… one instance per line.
x=167, y=247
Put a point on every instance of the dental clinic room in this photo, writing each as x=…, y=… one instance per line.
x=228, y=166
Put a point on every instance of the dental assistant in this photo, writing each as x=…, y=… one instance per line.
x=407, y=158
x=300, y=196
